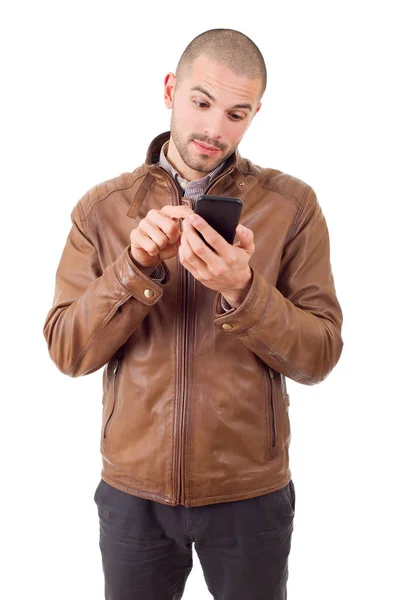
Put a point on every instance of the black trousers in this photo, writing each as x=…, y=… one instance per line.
x=243, y=546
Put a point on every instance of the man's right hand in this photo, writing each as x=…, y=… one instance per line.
x=157, y=237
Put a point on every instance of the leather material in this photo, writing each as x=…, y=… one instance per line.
x=194, y=413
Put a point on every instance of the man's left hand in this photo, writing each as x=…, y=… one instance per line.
x=227, y=269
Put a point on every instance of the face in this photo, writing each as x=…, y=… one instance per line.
x=211, y=111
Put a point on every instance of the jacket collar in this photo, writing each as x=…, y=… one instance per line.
x=233, y=168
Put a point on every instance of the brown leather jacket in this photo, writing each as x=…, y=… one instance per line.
x=195, y=407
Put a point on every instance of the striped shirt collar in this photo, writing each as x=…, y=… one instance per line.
x=190, y=189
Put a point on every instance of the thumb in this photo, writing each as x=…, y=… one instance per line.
x=245, y=236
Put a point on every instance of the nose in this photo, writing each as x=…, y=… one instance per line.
x=213, y=125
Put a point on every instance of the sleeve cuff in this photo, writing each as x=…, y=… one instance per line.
x=249, y=313
x=135, y=281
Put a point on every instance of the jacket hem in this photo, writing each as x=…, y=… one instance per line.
x=240, y=495
x=203, y=501
x=136, y=492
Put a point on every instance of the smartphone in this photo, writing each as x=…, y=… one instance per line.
x=221, y=212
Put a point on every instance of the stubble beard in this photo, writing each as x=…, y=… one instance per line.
x=199, y=164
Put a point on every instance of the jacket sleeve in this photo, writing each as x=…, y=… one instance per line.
x=94, y=312
x=294, y=327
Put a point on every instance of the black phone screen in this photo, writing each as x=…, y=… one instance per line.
x=222, y=213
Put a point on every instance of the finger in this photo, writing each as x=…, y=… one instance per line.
x=165, y=224
x=142, y=241
x=177, y=212
x=188, y=258
x=216, y=241
x=169, y=251
x=198, y=245
x=246, y=238
x=154, y=233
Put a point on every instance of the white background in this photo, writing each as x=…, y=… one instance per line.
x=82, y=96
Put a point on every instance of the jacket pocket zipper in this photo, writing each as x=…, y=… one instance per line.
x=271, y=411
x=113, y=399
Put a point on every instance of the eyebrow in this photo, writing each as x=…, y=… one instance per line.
x=199, y=88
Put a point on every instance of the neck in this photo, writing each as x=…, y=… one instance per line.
x=175, y=159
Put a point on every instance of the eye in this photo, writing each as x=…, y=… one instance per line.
x=236, y=117
x=200, y=103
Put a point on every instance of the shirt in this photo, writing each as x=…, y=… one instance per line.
x=191, y=190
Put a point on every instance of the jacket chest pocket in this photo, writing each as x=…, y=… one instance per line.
x=277, y=418
x=109, y=400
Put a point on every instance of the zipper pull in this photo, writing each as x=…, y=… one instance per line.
x=270, y=372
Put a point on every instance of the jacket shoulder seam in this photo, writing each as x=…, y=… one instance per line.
x=267, y=179
x=301, y=209
x=90, y=199
x=298, y=199
x=299, y=202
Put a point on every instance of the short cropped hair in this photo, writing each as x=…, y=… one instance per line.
x=226, y=47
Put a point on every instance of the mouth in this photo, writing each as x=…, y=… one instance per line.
x=204, y=149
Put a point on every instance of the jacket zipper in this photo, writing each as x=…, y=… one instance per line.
x=271, y=400
x=183, y=357
x=107, y=425
x=185, y=331
x=187, y=285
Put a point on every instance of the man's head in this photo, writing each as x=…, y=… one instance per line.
x=220, y=79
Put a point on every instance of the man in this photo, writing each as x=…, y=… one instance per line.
x=197, y=341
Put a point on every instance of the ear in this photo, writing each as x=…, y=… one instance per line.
x=169, y=89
